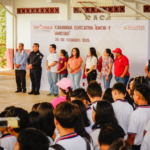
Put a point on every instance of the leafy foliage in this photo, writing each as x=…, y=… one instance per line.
x=2, y=37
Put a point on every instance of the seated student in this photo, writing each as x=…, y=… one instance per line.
x=109, y=133
x=65, y=86
x=8, y=141
x=47, y=120
x=94, y=92
x=66, y=115
x=140, y=117
x=86, y=121
x=80, y=94
x=108, y=95
x=31, y=139
x=102, y=114
x=120, y=144
x=35, y=106
x=121, y=106
x=35, y=119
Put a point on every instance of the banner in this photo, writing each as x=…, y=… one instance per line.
x=131, y=36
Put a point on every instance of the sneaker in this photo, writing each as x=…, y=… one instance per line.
x=56, y=95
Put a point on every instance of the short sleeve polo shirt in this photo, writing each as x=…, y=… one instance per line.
x=120, y=64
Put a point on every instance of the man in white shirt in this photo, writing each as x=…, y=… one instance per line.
x=66, y=115
x=140, y=117
x=51, y=66
x=121, y=106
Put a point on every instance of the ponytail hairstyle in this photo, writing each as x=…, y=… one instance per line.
x=93, y=52
x=108, y=51
x=130, y=100
x=68, y=93
x=64, y=53
x=120, y=87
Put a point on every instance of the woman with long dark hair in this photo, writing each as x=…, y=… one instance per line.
x=62, y=65
x=102, y=114
x=86, y=121
x=74, y=66
x=107, y=64
x=91, y=64
x=47, y=117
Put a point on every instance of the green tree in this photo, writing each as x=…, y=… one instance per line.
x=2, y=37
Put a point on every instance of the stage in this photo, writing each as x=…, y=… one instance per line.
x=8, y=96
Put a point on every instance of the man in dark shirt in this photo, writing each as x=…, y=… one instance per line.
x=34, y=61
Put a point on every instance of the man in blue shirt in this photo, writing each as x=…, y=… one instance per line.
x=20, y=60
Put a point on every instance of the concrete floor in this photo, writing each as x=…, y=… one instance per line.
x=8, y=97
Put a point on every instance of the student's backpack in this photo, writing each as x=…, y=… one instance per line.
x=59, y=147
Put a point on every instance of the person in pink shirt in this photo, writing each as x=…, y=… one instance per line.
x=74, y=66
x=65, y=86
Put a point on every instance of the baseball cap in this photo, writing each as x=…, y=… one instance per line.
x=117, y=50
x=64, y=83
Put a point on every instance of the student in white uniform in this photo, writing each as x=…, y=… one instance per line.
x=86, y=121
x=101, y=115
x=8, y=141
x=80, y=94
x=94, y=92
x=35, y=122
x=91, y=64
x=47, y=119
x=121, y=106
x=31, y=139
x=109, y=133
x=66, y=115
x=140, y=117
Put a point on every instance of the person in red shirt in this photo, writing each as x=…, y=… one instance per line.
x=121, y=67
x=62, y=65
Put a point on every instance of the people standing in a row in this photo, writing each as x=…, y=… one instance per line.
x=91, y=64
x=51, y=65
x=107, y=64
x=34, y=61
x=121, y=67
x=74, y=66
x=20, y=60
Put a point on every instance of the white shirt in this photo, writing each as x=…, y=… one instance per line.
x=147, y=128
x=50, y=140
x=88, y=129
x=8, y=142
x=91, y=61
x=137, y=123
x=72, y=142
x=146, y=143
x=89, y=112
x=94, y=135
x=53, y=57
x=122, y=111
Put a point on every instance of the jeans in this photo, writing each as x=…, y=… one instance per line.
x=107, y=83
x=123, y=80
x=53, y=79
x=60, y=76
x=75, y=78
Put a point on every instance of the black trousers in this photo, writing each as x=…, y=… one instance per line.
x=21, y=79
x=35, y=76
x=92, y=75
x=136, y=147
